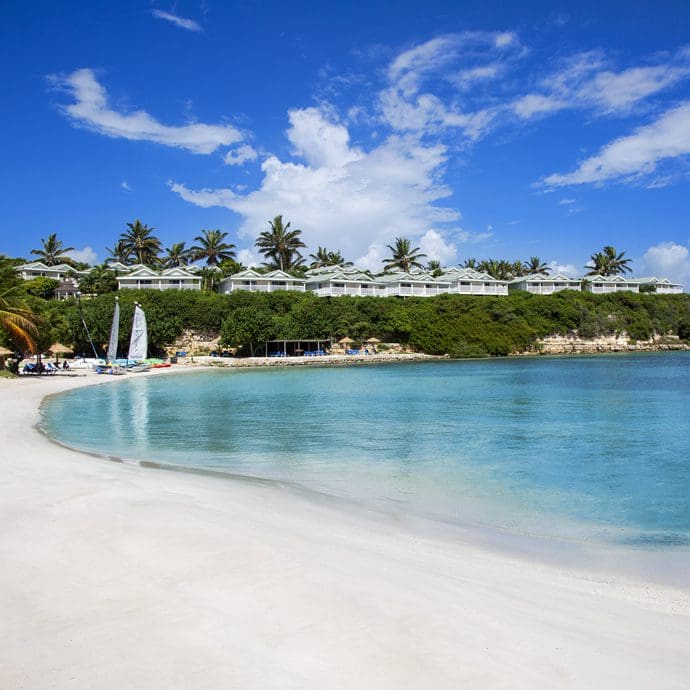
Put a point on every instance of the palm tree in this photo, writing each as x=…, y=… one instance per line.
x=212, y=247
x=616, y=262
x=53, y=252
x=519, y=268
x=434, y=267
x=119, y=252
x=496, y=268
x=280, y=245
x=404, y=256
x=469, y=263
x=16, y=319
x=210, y=277
x=141, y=242
x=608, y=263
x=324, y=258
x=177, y=255
x=535, y=265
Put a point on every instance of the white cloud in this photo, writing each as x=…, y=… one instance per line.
x=533, y=104
x=435, y=246
x=86, y=255
x=373, y=259
x=248, y=257
x=206, y=198
x=91, y=109
x=465, y=79
x=343, y=198
x=668, y=260
x=413, y=100
x=467, y=237
x=638, y=154
x=182, y=22
x=569, y=270
x=240, y=155
x=320, y=142
x=125, y=185
x=567, y=202
x=586, y=81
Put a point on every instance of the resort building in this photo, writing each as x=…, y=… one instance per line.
x=142, y=277
x=401, y=284
x=37, y=269
x=607, y=284
x=336, y=281
x=661, y=286
x=467, y=281
x=253, y=281
x=541, y=284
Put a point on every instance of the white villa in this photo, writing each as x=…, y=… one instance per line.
x=37, y=269
x=401, y=284
x=333, y=281
x=607, y=284
x=253, y=281
x=541, y=284
x=662, y=286
x=467, y=281
x=142, y=277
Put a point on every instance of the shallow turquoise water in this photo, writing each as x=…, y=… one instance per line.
x=586, y=447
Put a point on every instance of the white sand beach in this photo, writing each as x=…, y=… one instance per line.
x=119, y=576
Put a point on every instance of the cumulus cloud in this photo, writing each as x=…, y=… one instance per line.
x=435, y=246
x=668, y=260
x=637, y=154
x=320, y=142
x=342, y=197
x=86, y=255
x=569, y=270
x=181, y=22
x=240, y=155
x=91, y=109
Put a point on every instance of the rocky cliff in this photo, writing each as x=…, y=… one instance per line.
x=572, y=343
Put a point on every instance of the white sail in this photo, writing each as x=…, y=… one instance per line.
x=138, y=342
x=114, y=333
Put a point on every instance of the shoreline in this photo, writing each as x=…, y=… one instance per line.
x=199, y=583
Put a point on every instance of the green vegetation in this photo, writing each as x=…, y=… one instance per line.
x=403, y=256
x=280, y=246
x=458, y=325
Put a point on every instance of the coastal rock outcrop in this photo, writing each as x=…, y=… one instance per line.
x=573, y=343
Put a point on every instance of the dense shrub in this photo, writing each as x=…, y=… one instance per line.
x=458, y=325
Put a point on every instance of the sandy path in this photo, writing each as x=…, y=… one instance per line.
x=114, y=576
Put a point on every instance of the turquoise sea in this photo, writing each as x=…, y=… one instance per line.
x=591, y=448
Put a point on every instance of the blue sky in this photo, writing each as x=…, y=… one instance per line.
x=475, y=129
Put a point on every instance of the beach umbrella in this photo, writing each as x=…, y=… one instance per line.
x=4, y=352
x=59, y=349
x=373, y=341
x=345, y=341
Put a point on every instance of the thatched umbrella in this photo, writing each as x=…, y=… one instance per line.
x=59, y=349
x=4, y=352
x=344, y=342
x=373, y=341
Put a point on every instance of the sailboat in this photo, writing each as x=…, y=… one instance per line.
x=138, y=342
x=112, y=367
